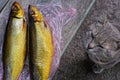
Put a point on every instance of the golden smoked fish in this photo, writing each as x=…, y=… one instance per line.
x=41, y=45
x=14, y=48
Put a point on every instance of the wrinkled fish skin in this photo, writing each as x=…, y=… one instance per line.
x=14, y=48
x=41, y=45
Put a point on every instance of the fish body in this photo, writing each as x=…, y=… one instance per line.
x=14, y=48
x=41, y=45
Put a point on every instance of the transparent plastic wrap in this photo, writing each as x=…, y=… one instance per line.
x=64, y=18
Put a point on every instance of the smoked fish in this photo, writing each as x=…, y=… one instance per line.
x=14, y=47
x=41, y=47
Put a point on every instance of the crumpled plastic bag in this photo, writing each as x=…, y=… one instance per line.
x=57, y=15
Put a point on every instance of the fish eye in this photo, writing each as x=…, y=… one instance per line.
x=15, y=8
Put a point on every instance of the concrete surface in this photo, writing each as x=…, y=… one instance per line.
x=75, y=64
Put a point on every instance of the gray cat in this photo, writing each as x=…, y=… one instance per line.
x=103, y=45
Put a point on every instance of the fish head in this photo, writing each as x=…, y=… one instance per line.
x=17, y=10
x=35, y=14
